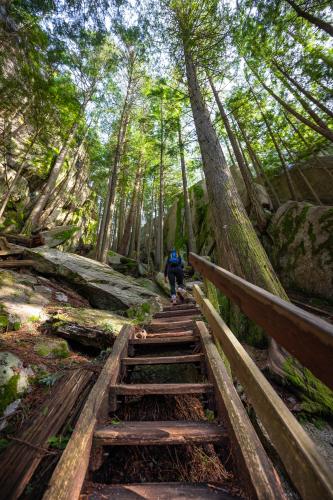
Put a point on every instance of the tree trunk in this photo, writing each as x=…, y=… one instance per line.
x=320, y=130
x=307, y=94
x=34, y=217
x=160, y=239
x=251, y=190
x=323, y=25
x=139, y=227
x=7, y=196
x=238, y=247
x=121, y=219
x=188, y=215
x=277, y=148
x=130, y=221
x=260, y=171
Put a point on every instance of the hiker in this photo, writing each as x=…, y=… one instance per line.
x=174, y=272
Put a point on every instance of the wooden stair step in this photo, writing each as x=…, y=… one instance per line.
x=164, y=360
x=160, y=389
x=183, y=339
x=163, y=335
x=175, y=319
x=162, y=326
x=159, y=433
x=155, y=491
x=195, y=311
x=178, y=307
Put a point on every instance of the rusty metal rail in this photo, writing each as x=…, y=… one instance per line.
x=305, y=336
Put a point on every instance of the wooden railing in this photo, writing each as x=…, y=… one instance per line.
x=303, y=463
x=305, y=336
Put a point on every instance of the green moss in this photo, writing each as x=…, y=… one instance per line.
x=56, y=350
x=4, y=322
x=16, y=325
x=8, y=392
x=33, y=319
x=139, y=314
x=67, y=234
x=317, y=398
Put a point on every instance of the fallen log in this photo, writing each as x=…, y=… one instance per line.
x=8, y=248
x=21, y=239
x=86, y=336
x=19, y=461
x=16, y=263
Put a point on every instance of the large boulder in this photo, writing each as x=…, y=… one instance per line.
x=302, y=250
x=104, y=287
x=58, y=235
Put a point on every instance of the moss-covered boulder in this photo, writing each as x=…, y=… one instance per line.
x=302, y=250
x=104, y=287
x=58, y=235
x=126, y=265
x=52, y=349
x=14, y=379
x=90, y=318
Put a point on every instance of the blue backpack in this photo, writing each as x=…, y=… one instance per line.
x=174, y=259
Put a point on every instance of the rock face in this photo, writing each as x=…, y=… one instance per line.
x=104, y=287
x=302, y=250
x=58, y=235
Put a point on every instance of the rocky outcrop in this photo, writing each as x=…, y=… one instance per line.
x=302, y=250
x=58, y=235
x=104, y=287
x=125, y=265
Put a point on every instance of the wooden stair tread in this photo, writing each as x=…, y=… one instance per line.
x=163, y=326
x=163, y=360
x=158, y=433
x=178, y=307
x=142, y=389
x=155, y=491
x=165, y=340
x=176, y=319
x=177, y=313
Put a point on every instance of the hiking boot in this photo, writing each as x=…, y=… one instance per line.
x=173, y=299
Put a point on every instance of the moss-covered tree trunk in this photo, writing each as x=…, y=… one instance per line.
x=238, y=247
x=188, y=215
x=160, y=238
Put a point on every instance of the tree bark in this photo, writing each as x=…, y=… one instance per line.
x=34, y=217
x=320, y=130
x=160, y=238
x=251, y=190
x=238, y=247
x=320, y=23
x=299, y=87
x=130, y=221
x=277, y=148
x=260, y=171
x=188, y=215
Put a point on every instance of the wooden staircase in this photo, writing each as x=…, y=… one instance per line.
x=177, y=336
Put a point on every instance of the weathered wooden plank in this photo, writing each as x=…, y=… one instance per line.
x=164, y=360
x=160, y=326
x=143, y=389
x=179, y=307
x=254, y=467
x=4, y=264
x=183, y=339
x=164, y=335
x=305, y=336
x=176, y=319
x=19, y=461
x=155, y=491
x=68, y=477
x=159, y=433
x=308, y=471
x=193, y=311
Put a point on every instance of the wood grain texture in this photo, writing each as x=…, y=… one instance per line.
x=307, y=469
x=143, y=389
x=164, y=360
x=68, y=477
x=305, y=336
x=254, y=466
x=159, y=433
x=183, y=339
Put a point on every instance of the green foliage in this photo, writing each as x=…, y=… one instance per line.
x=8, y=392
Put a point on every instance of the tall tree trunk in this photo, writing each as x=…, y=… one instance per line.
x=188, y=215
x=251, y=190
x=260, y=171
x=139, y=225
x=320, y=130
x=121, y=219
x=301, y=89
x=320, y=23
x=130, y=221
x=160, y=237
x=7, y=196
x=35, y=214
x=277, y=148
x=238, y=247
